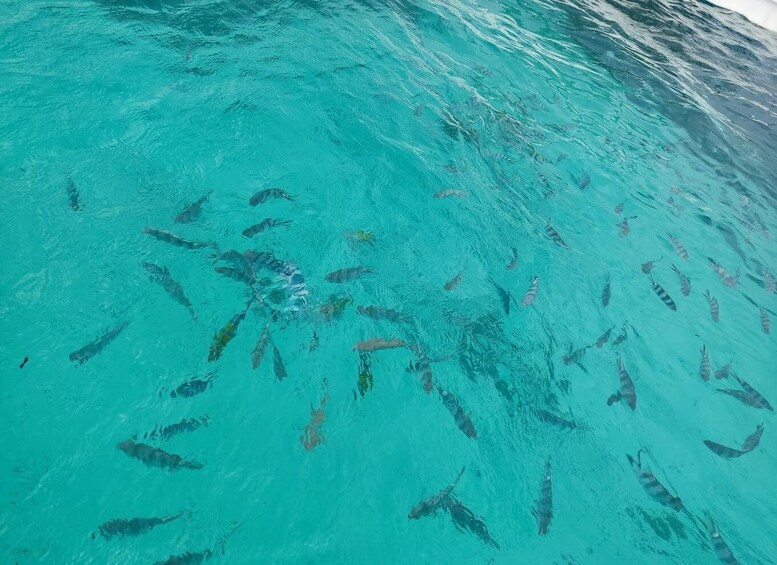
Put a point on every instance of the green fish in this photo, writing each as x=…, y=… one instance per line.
x=225, y=334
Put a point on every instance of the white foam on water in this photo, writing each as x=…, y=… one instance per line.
x=760, y=12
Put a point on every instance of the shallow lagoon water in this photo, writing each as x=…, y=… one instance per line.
x=546, y=112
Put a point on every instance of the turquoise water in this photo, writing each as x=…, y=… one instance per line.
x=362, y=112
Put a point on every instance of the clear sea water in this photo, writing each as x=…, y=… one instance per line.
x=544, y=111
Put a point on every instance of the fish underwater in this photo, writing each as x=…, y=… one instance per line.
x=173, y=239
x=348, y=274
x=648, y=266
x=379, y=344
x=162, y=277
x=606, y=292
x=186, y=425
x=513, y=264
x=462, y=419
x=156, y=457
x=191, y=212
x=719, y=546
x=604, y=338
x=685, y=284
x=554, y=235
x=269, y=194
x=265, y=224
x=714, y=307
x=430, y=506
x=531, y=293
x=193, y=387
x=504, y=296
x=748, y=395
x=663, y=295
x=312, y=436
x=704, y=366
x=626, y=391
x=227, y=333
x=380, y=313
x=678, y=247
x=654, y=489
x=121, y=527
x=750, y=443
x=543, y=509
x=91, y=349
x=454, y=282
x=73, y=196
x=550, y=418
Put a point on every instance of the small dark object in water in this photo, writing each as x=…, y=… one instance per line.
x=24, y=362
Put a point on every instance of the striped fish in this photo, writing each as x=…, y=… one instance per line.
x=678, y=247
x=543, y=509
x=257, y=354
x=723, y=372
x=277, y=364
x=531, y=294
x=462, y=419
x=227, y=333
x=193, y=210
x=650, y=483
x=714, y=307
x=267, y=194
x=722, y=551
x=704, y=367
x=685, y=284
x=237, y=274
x=604, y=338
x=430, y=506
x=554, y=235
x=173, y=239
x=723, y=451
x=265, y=224
x=748, y=396
x=626, y=389
x=464, y=519
x=162, y=276
x=769, y=283
x=623, y=336
x=422, y=366
x=72, y=195
x=551, y=418
x=606, y=292
x=766, y=324
x=663, y=295
x=347, y=274
x=93, y=348
x=752, y=441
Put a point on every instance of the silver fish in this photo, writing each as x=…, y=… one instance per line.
x=652, y=486
x=678, y=247
x=685, y=284
x=265, y=224
x=769, y=283
x=766, y=324
x=193, y=210
x=626, y=389
x=714, y=307
x=91, y=349
x=606, y=293
x=531, y=293
x=554, y=235
x=543, y=509
x=663, y=295
x=267, y=194
x=704, y=367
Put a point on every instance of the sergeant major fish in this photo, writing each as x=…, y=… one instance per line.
x=193, y=210
x=531, y=293
x=722, y=551
x=193, y=387
x=173, y=239
x=543, y=509
x=422, y=366
x=714, y=307
x=380, y=313
x=277, y=364
x=462, y=419
x=265, y=224
x=257, y=354
x=430, y=506
x=766, y=324
x=267, y=194
x=623, y=336
x=663, y=295
x=464, y=519
x=574, y=356
x=678, y=247
x=91, y=349
x=606, y=292
x=72, y=194
x=121, y=527
x=685, y=284
x=626, y=389
x=454, y=282
x=655, y=489
x=347, y=275
x=155, y=457
x=704, y=366
x=172, y=430
x=550, y=418
x=604, y=338
x=750, y=443
x=723, y=372
x=554, y=235
x=748, y=395
x=225, y=334
x=161, y=276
